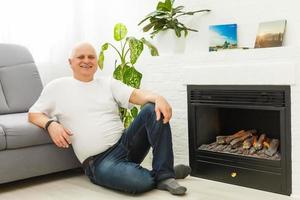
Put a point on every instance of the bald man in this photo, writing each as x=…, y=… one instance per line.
x=83, y=111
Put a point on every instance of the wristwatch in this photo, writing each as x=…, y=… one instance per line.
x=49, y=122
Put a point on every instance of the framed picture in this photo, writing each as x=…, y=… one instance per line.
x=270, y=34
x=222, y=37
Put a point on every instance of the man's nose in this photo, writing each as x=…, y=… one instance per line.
x=86, y=60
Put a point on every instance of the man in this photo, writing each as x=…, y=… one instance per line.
x=87, y=116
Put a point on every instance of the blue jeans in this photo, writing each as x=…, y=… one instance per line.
x=119, y=167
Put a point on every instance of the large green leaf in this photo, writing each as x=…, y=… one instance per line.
x=104, y=47
x=161, y=6
x=177, y=9
x=132, y=77
x=152, y=48
x=160, y=23
x=185, y=33
x=158, y=17
x=157, y=22
x=101, y=60
x=122, y=113
x=127, y=119
x=134, y=111
x=136, y=48
x=157, y=31
x=177, y=31
x=119, y=71
x=148, y=26
x=193, y=12
x=165, y=6
x=120, y=31
x=156, y=13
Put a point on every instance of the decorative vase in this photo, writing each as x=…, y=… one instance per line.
x=168, y=43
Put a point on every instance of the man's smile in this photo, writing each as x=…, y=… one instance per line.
x=86, y=66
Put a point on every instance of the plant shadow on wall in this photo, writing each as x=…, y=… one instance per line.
x=166, y=17
x=129, y=52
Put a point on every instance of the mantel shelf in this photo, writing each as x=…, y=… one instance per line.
x=232, y=56
x=269, y=66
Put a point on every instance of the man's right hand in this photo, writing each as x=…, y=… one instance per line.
x=60, y=135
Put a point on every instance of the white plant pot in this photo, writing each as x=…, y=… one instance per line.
x=168, y=43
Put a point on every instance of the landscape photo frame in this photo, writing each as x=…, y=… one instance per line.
x=222, y=37
x=270, y=34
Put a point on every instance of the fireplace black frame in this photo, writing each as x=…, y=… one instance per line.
x=268, y=175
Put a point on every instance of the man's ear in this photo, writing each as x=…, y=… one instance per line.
x=70, y=61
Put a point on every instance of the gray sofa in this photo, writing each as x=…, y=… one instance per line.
x=25, y=149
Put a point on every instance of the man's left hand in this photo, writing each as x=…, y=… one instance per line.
x=164, y=108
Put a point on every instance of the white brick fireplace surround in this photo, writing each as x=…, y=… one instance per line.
x=169, y=75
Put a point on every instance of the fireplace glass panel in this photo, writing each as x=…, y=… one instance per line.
x=214, y=121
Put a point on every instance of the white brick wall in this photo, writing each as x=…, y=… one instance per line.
x=169, y=74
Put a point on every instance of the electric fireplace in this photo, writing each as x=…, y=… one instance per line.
x=241, y=134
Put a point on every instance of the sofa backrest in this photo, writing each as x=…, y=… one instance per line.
x=20, y=82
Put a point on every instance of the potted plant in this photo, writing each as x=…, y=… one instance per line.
x=125, y=71
x=166, y=17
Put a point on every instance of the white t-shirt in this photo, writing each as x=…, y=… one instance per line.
x=88, y=109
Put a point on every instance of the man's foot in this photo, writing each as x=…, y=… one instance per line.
x=172, y=186
x=182, y=171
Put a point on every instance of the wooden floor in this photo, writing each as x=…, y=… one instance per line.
x=73, y=185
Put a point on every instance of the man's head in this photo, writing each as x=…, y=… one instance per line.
x=83, y=61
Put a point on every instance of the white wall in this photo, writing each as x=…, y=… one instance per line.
x=95, y=21
x=247, y=14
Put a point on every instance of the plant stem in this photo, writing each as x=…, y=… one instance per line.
x=116, y=50
x=126, y=52
x=123, y=49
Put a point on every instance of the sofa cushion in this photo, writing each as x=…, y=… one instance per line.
x=20, y=83
x=21, y=133
x=12, y=54
x=2, y=139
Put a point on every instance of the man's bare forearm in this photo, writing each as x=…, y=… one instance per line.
x=38, y=119
x=141, y=97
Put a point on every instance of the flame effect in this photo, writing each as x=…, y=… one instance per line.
x=266, y=144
